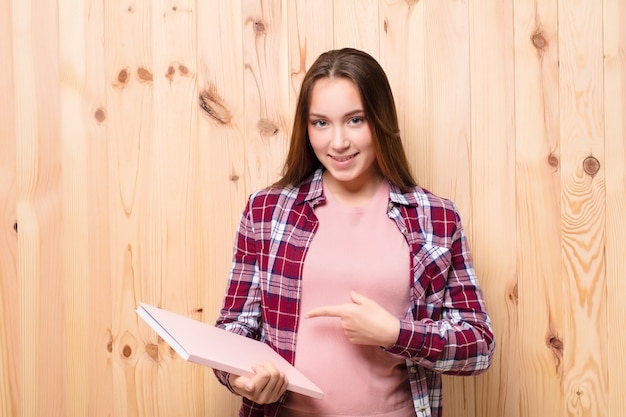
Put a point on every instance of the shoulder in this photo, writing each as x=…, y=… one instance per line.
x=426, y=203
x=429, y=214
x=273, y=201
x=272, y=194
x=266, y=200
x=290, y=196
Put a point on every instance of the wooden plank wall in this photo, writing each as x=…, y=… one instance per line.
x=131, y=133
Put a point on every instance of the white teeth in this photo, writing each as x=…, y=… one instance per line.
x=343, y=158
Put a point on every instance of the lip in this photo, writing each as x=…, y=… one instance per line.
x=343, y=159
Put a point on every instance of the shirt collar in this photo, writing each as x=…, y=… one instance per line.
x=397, y=196
x=312, y=190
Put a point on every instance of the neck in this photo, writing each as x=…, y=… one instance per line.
x=352, y=194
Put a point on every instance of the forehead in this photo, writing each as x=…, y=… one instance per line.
x=334, y=95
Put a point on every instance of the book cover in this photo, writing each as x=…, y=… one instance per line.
x=207, y=345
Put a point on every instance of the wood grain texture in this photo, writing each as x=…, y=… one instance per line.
x=221, y=166
x=26, y=151
x=38, y=205
x=95, y=111
x=131, y=134
x=447, y=115
x=130, y=129
x=75, y=228
x=356, y=24
x=583, y=204
x=402, y=52
x=310, y=33
x=539, y=291
x=492, y=226
x=266, y=89
x=615, y=168
x=168, y=223
x=10, y=352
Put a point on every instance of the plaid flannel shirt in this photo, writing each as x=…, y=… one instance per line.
x=447, y=329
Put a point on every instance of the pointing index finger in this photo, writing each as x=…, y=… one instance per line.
x=327, y=311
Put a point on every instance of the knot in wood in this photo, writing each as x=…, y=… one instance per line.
x=127, y=351
x=123, y=75
x=213, y=105
x=553, y=161
x=591, y=166
x=100, y=115
x=555, y=343
x=259, y=27
x=514, y=294
x=267, y=128
x=144, y=74
x=539, y=41
x=170, y=73
x=153, y=351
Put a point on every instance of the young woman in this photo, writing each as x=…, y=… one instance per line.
x=349, y=270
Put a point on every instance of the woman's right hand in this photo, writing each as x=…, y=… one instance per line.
x=266, y=386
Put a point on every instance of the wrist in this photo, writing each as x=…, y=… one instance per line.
x=392, y=336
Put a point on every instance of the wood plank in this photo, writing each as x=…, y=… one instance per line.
x=402, y=55
x=266, y=90
x=447, y=115
x=357, y=25
x=166, y=226
x=98, y=240
x=221, y=167
x=10, y=346
x=38, y=182
x=493, y=226
x=124, y=190
x=615, y=163
x=448, y=102
x=74, y=227
x=583, y=205
x=541, y=305
x=28, y=266
x=311, y=32
x=432, y=97
x=129, y=135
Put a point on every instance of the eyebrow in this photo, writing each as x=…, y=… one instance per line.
x=350, y=113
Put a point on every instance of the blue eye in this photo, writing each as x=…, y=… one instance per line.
x=319, y=123
x=356, y=120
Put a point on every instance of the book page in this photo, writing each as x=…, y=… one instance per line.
x=207, y=345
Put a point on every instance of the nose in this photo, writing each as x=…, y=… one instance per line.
x=339, y=139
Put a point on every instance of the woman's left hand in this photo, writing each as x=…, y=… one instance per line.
x=364, y=321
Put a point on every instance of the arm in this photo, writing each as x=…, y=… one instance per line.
x=241, y=309
x=461, y=341
x=241, y=314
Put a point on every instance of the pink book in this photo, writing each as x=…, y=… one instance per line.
x=205, y=344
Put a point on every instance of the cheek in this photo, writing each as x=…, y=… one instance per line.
x=317, y=140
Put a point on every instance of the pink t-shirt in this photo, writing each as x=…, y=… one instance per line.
x=360, y=249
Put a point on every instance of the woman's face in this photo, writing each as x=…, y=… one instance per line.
x=340, y=135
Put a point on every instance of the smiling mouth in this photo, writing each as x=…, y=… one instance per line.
x=343, y=158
